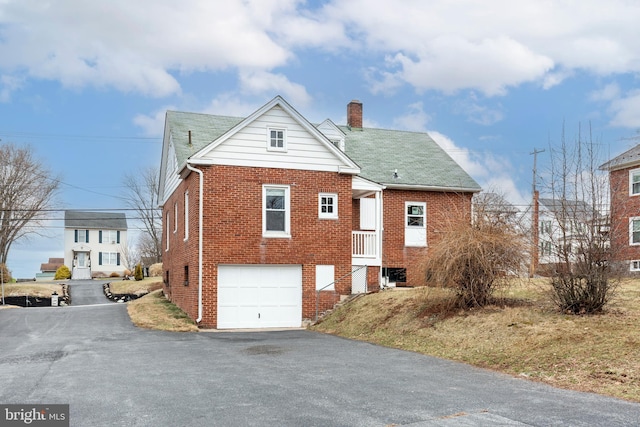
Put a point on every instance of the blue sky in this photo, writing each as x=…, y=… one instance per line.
x=86, y=84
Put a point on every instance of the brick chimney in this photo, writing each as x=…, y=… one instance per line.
x=354, y=114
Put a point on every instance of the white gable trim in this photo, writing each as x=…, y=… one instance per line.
x=348, y=165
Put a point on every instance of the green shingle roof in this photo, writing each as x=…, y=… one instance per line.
x=418, y=159
x=205, y=128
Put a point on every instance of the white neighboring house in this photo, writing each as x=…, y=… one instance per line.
x=93, y=243
x=564, y=225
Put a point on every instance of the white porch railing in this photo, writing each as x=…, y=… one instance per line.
x=364, y=244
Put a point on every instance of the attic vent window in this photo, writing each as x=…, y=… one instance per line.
x=277, y=139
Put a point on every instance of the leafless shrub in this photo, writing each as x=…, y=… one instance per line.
x=476, y=258
x=582, y=278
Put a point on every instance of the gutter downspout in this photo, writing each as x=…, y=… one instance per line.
x=200, y=214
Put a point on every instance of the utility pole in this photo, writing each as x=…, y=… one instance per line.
x=535, y=241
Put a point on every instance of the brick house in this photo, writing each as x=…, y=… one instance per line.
x=261, y=214
x=624, y=181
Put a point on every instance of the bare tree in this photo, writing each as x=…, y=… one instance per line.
x=578, y=236
x=27, y=190
x=143, y=197
x=130, y=256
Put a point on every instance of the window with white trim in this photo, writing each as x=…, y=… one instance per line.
x=175, y=217
x=328, y=205
x=186, y=215
x=634, y=265
x=634, y=230
x=167, y=229
x=108, y=258
x=109, y=236
x=277, y=139
x=275, y=211
x=545, y=248
x=81, y=236
x=415, y=231
x=634, y=182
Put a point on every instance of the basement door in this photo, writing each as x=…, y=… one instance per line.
x=259, y=296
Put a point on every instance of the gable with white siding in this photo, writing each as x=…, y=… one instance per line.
x=250, y=147
x=247, y=144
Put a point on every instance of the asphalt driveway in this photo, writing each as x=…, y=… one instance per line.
x=114, y=374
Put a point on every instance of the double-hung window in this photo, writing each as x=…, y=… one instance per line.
x=634, y=182
x=275, y=211
x=108, y=258
x=109, y=236
x=328, y=205
x=415, y=231
x=186, y=215
x=81, y=236
x=277, y=139
x=634, y=230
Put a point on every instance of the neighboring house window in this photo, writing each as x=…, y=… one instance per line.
x=634, y=182
x=108, y=258
x=634, y=231
x=275, y=212
x=167, y=228
x=545, y=227
x=635, y=265
x=186, y=215
x=328, y=205
x=277, y=139
x=175, y=217
x=81, y=236
x=415, y=233
x=109, y=236
x=545, y=248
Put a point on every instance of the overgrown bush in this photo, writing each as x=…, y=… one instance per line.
x=6, y=274
x=62, y=273
x=138, y=272
x=114, y=274
x=155, y=270
x=475, y=260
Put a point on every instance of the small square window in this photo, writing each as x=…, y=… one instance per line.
x=327, y=205
x=277, y=139
x=635, y=265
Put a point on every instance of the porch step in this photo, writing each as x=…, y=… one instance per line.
x=344, y=299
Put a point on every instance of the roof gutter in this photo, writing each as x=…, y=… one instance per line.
x=200, y=215
x=392, y=186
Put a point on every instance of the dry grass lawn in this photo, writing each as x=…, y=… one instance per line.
x=526, y=336
x=135, y=287
x=154, y=311
x=31, y=289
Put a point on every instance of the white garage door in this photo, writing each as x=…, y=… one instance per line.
x=259, y=296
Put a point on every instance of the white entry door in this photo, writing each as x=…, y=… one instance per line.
x=259, y=296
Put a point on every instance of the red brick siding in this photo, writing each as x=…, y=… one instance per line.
x=232, y=230
x=623, y=207
x=442, y=208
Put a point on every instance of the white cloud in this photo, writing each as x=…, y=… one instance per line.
x=8, y=85
x=491, y=65
x=262, y=82
x=609, y=92
x=414, y=120
x=477, y=113
x=136, y=46
x=491, y=172
x=152, y=125
x=626, y=111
